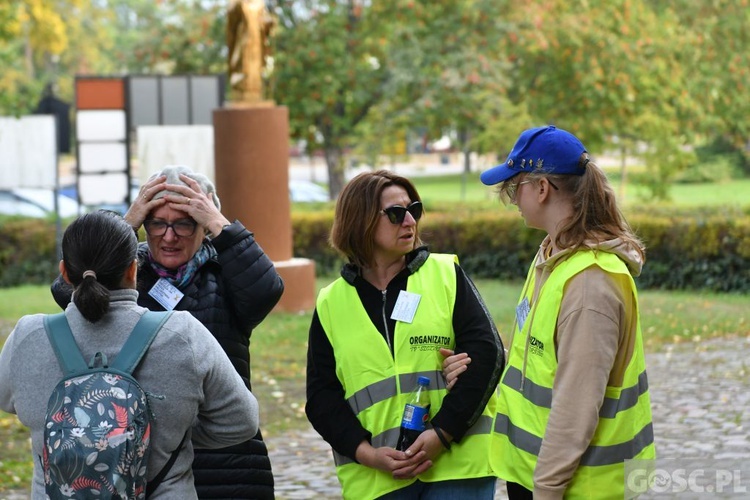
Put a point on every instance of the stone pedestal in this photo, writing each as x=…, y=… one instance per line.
x=251, y=155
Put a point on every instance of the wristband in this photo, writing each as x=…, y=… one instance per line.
x=441, y=437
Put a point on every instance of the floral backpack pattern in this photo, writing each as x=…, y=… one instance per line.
x=98, y=421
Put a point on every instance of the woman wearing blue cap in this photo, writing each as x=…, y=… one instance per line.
x=574, y=401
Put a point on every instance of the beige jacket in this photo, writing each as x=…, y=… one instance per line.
x=594, y=341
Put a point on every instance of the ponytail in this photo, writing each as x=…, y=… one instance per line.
x=596, y=216
x=91, y=297
x=98, y=248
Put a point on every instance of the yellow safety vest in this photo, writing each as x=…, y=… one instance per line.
x=377, y=385
x=625, y=427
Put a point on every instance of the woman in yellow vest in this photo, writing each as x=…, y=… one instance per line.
x=380, y=327
x=574, y=401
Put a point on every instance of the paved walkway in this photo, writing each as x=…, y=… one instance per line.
x=701, y=406
x=700, y=400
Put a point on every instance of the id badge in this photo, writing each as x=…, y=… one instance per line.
x=406, y=306
x=522, y=312
x=166, y=294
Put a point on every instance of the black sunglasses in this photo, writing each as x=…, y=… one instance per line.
x=156, y=227
x=396, y=214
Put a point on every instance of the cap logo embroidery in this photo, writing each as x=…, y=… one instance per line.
x=510, y=162
x=539, y=163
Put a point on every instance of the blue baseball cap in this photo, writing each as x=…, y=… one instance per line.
x=543, y=149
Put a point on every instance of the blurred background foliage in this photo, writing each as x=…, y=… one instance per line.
x=662, y=81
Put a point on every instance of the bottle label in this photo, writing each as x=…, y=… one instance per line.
x=415, y=417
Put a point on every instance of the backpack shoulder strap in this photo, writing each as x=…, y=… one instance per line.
x=156, y=481
x=139, y=340
x=64, y=344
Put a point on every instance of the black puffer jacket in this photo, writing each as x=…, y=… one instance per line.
x=230, y=295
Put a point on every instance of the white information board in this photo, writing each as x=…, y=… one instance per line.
x=28, y=152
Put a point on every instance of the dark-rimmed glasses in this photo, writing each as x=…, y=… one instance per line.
x=183, y=227
x=396, y=214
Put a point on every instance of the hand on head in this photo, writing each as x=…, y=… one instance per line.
x=180, y=189
x=145, y=203
x=194, y=202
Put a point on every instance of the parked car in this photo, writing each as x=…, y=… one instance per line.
x=36, y=202
x=71, y=191
x=306, y=191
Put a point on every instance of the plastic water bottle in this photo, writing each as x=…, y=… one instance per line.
x=416, y=415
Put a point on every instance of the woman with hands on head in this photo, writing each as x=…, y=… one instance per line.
x=194, y=259
x=379, y=327
x=188, y=195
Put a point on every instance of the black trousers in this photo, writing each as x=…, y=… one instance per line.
x=518, y=492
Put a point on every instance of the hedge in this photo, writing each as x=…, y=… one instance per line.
x=689, y=250
x=27, y=252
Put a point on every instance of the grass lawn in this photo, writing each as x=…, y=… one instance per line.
x=279, y=348
x=437, y=190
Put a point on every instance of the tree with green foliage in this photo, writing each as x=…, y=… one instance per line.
x=330, y=69
x=45, y=42
x=51, y=41
x=718, y=65
x=9, y=19
x=611, y=72
x=650, y=78
x=446, y=72
x=169, y=37
x=348, y=68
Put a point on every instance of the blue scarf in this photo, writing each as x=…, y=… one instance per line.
x=183, y=275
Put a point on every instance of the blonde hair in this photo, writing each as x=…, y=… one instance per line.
x=596, y=216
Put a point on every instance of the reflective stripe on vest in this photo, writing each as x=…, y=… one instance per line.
x=625, y=428
x=384, y=389
x=594, y=455
x=377, y=385
x=542, y=396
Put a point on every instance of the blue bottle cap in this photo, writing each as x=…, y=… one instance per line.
x=422, y=380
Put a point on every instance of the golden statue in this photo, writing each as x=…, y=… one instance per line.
x=249, y=26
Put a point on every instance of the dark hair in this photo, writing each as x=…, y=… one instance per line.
x=357, y=213
x=104, y=243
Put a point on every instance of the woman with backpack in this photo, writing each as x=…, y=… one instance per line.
x=195, y=397
x=195, y=260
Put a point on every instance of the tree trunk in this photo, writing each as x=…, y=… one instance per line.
x=335, y=164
